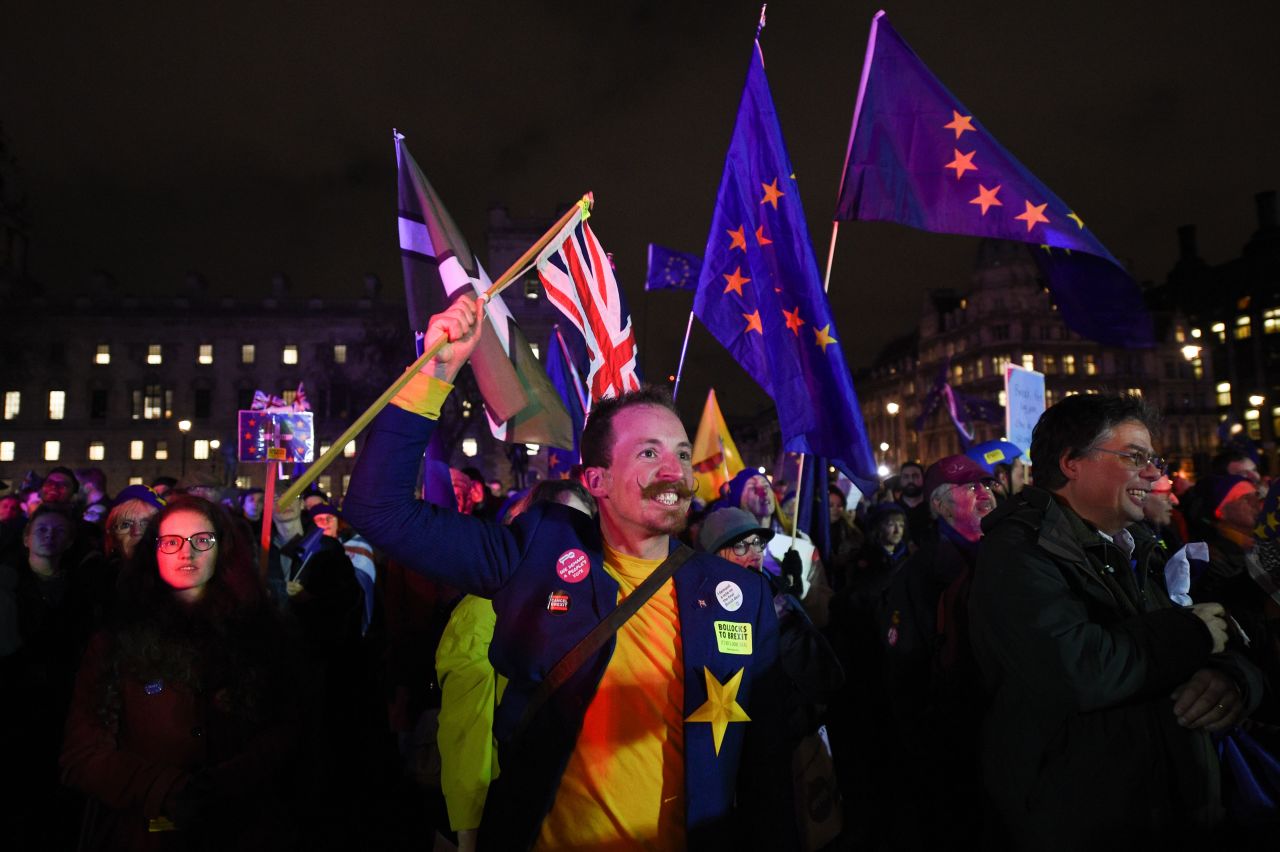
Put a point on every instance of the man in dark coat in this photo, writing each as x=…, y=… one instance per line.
x=1104, y=694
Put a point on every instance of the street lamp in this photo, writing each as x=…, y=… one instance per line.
x=892, y=408
x=184, y=426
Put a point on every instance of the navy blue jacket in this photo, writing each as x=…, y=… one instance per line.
x=515, y=566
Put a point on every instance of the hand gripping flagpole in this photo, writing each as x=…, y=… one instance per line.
x=583, y=208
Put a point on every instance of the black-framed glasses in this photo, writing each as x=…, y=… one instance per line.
x=1138, y=458
x=755, y=543
x=201, y=541
x=130, y=527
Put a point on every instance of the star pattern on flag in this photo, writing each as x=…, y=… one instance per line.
x=1074, y=218
x=1033, y=214
x=761, y=238
x=793, y=320
x=962, y=163
x=721, y=706
x=823, y=337
x=753, y=323
x=739, y=239
x=735, y=280
x=771, y=193
x=960, y=123
x=987, y=198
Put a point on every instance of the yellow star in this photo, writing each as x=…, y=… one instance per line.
x=960, y=123
x=771, y=193
x=761, y=238
x=962, y=163
x=1074, y=218
x=1033, y=214
x=1273, y=521
x=739, y=238
x=987, y=198
x=552, y=460
x=721, y=706
x=793, y=320
x=735, y=281
x=824, y=337
x=753, y=322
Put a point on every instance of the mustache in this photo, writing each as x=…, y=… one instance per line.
x=682, y=489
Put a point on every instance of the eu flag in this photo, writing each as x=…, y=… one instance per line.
x=761, y=296
x=671, y=270
x=919, y=157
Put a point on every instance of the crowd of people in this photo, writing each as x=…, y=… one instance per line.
x=979, y=655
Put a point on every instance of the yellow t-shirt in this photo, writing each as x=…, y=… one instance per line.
x=624, y=785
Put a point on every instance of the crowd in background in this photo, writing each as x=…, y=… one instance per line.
x=162, y=679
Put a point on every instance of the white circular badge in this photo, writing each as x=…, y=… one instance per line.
x=729, y=595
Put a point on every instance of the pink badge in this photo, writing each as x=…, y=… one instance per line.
x=573, y=566
x=893, y=636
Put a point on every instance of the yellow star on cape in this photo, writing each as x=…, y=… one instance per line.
x=793, y=320
x=753, y=322
x=739, y=238
x=824, y=338
x=735, y=281
x=962, y=163
x=761, y=238
x=987, y=198
x=960, y=123
x=1074, y=218
x=721, y=706
x=771, y=193
x=1033, y=214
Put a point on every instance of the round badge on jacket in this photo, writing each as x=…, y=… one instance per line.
x=573, y=565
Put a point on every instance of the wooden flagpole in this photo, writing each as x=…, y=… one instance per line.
x=583, y=208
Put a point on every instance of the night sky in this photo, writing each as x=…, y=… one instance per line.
x=243, y=139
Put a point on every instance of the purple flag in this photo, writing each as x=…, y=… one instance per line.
x=919, y=157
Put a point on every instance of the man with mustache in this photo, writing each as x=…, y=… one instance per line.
x=666, y=736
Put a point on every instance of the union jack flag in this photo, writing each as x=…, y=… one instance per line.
x=579, y=280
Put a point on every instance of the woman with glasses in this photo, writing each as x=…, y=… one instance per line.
x=184, y=716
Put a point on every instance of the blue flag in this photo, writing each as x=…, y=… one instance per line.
x=761, y=296
x=671, y=270
x=919, y=157
x=565, y=378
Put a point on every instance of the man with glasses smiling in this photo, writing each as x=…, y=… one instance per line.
x=1103, y=692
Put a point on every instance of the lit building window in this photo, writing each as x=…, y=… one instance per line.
x=137, y=449
x=339, y=355
x=244, y=482
x=346, y=482
x=200, y=449
x=1003, y=399
x=957, y=373
x=1220, y=331
x=289, y=396
x=349, y=450
x=155, y=354
x=1224, y=393
x=1251, y=414
x=204, y=353
x=12, y=404
x=290, y=354
x=135, y=480
x=531, y=289
x=326, y=483
x=247, y=353
x=1244, y=328
x=1028, y=361
x=6, y=450
x=153, y=402
x=324, y=448
x=1134, y=392
x=1271, y=321
x=1050, y=364
x=57, y=405
x=52, y=449
x=103, y=355
x=1090, y=365
x=162, y=450
x=97, y=451
x=1069, y=364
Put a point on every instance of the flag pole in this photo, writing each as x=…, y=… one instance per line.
x=582, y=208
x=688, y=329
x=795, y=513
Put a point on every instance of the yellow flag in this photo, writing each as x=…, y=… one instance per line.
x=715, y=457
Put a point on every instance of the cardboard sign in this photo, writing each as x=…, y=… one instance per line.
x=258, y=430
x=1024, y=403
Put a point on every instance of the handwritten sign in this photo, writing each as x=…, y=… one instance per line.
x=1024, y=395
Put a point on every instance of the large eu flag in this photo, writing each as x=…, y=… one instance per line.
x=761, y=296
x=919, y=157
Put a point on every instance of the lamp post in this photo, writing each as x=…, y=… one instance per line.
x=214, y=446
x=184, y=426
x=892, y=408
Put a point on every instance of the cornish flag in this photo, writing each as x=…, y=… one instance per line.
x=579, y=280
